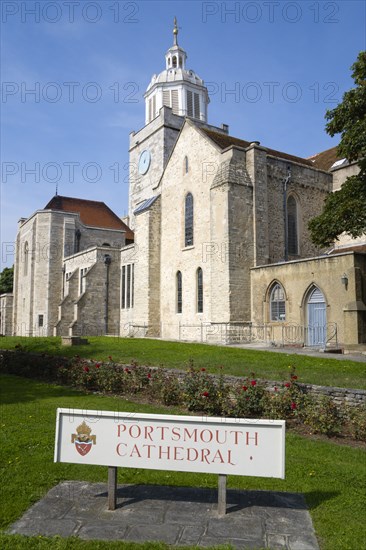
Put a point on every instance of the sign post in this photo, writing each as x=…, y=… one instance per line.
x=222, y=446
x=112, y=488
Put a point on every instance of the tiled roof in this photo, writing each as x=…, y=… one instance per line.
x=325, y=159
x=224, y=141
x=92, y=213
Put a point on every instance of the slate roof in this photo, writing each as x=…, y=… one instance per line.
x=224, y=141
x=146, y=204
x=92, y=213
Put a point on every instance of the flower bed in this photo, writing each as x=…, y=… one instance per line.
x=197, y=391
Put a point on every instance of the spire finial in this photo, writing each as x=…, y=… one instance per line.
x=175, y=32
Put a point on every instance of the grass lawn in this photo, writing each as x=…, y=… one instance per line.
x=331, y=476
x=238, y=362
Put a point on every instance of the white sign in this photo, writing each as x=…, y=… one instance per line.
x=231, y=446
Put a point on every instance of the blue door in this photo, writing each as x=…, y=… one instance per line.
x=317, y=319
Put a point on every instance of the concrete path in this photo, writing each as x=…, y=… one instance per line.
x=175, y=515
x=359, y=357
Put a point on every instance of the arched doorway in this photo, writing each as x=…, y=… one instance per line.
x=317, y=318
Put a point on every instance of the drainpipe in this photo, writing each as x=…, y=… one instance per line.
x=107, y=263
x=286, y=181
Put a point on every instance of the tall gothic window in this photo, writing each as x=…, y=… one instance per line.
x=277, y=303
x=292, y=233
x=188, y=220
x=179, y=292
x=199, y=290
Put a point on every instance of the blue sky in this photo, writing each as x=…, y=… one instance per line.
x=273, y=69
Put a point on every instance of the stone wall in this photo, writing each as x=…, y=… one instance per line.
x=309, y=187
x=39, y=282
x=210, y=236
x=6, y=314
x=92, y=310
x=345, y=305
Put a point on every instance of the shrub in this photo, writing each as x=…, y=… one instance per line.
x=203, y=392
x=164, y=387
x=248, y=399
x=356, y=420
x=324, y=417
x=286, y=401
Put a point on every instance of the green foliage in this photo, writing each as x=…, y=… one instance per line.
x=349, y=117
x=324, y=417
x=356, y=417
x=204, y=393
x=249, y=398
x=6, y=280
x=345, y=210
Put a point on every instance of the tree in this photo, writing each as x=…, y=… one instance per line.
x=345, y=210
x=6, y=280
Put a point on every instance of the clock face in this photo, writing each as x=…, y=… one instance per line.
x=144, y=162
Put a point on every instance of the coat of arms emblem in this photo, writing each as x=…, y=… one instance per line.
x=82, y=439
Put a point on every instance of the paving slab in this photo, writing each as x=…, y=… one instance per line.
x=175, y=515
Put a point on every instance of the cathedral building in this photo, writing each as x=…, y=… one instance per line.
x=215, y=247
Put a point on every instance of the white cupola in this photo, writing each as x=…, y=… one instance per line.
x=176, y=87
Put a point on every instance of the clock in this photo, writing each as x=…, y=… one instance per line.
x=144, y=162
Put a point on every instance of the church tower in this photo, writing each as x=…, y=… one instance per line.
x=176, y=87
x=171, y=96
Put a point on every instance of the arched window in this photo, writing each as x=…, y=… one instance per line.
x=199, y=290
x=277, y=303
x=188, y=220
x=174, y=62
x=26, y=258
x=179, y=292
x=292, y=237
x=186, y=165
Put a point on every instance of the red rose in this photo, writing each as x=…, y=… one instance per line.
x=97, y=365
x=203, y=369
x=128, y=371
x=275, y=388
x=245, y=388
x=293, y=406
x=149, y=375
x=253, y=382
x=205, y=394
x=294, y=377
x=86, y=369
x=287, y=385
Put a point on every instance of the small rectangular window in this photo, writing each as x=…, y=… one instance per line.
x=40, y=320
